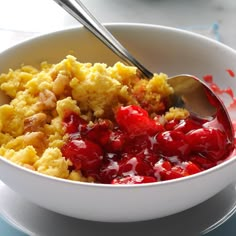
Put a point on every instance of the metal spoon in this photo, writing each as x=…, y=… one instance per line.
x=189, y=91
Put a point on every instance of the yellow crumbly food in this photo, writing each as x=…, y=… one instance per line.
x=31, y=125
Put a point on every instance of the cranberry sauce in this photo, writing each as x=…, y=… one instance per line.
x=136, y=149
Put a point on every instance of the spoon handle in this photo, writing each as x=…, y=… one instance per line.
x=82, y=14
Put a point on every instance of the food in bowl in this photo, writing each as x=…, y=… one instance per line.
x=93, y=123
x=124, y=202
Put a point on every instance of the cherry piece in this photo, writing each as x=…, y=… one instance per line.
x=72, y=122
x=188, y=125
x=109, y=171
x=133, y=165
x=84, y=154
x=98, y=132
x=166, y=171
x=134, y=180
x=116, y=141
x=202, y=161
x=138, y=144
x=135, y=121
x=209, y=142
x=172, y=143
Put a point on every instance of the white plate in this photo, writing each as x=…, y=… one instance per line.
x=34, y=220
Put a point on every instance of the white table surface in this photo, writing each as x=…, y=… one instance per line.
x=20, y=19
x=23, y=17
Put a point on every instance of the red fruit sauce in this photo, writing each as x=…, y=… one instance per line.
x=219, y=91
x=134, y=148
x=228, y=91
x=230, y=72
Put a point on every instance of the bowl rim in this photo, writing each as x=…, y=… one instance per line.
x=231, y=159
x=111, y=25
x=228, y=161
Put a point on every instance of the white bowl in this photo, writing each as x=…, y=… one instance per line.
x=161, y=49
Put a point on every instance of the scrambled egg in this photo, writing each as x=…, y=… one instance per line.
x=31, y=127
